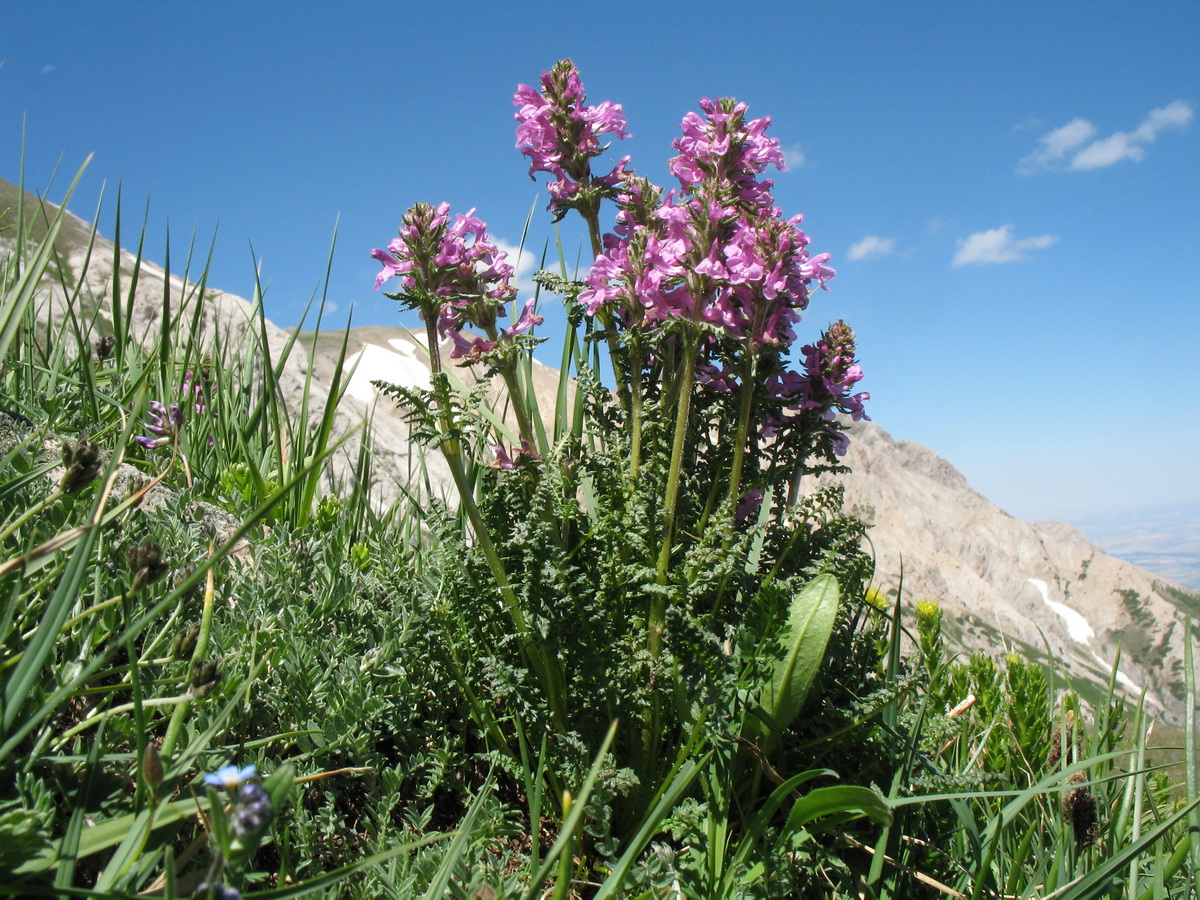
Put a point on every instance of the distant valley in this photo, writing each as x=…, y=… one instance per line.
x=1163, y=541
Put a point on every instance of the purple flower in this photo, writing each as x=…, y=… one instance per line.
x=527, y=320
x=454, y=274
x=716, y=251
x=194, y=387
x=724, y=147
x=823, y=388
x=471, y=350
x=437, y=259
x=508, y=463
x=748, y=505
x=164, y=425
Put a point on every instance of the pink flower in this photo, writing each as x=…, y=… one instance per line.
x=434, y=257
x=507, y=463
x=723, y=146
x=527, y=320
x=471, y=350
x=561, y=135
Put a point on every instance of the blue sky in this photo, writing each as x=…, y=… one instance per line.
x=1009, y=190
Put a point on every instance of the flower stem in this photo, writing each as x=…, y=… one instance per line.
x=635, y=408
x=65, y=738
x=743, y=432
x=591, y=215
x=658, y=603
x=431, y=342
x=548, y=673
x=201, y=650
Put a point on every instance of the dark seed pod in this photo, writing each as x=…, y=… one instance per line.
x=104, y=347
x=1079, y=808
x=185, y=642
x=205, y=677
x=147, y=564
x=152, y=766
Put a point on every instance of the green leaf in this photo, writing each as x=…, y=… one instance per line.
x=113, y=831
x=838, y=800
x=809, y=624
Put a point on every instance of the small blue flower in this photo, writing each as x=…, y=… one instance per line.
x=230, y=777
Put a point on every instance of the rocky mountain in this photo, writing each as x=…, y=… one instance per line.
x=1040, y=588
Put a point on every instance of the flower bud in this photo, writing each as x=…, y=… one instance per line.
x=152, y=766
x=147, y=564
x=82, y=464
x=104, y=347
x=185, y=642
x=205, y=677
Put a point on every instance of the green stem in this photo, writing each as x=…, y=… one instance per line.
x=547, y=672
x=431, y=341
x=635, y=407
x=671, y=501
x=743, y=432
x=657, y=617
x=508, y=371
x=72, y=622
x=520, y=412
x=176, y=724
x=181, y=699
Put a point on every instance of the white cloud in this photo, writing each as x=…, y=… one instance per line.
x=1178, y=114
x=46, y=70
x=794, y=156
x=998, y=246
x=871, y=245
x=1053, y=147
x=1075, y=145
x=1108, y=152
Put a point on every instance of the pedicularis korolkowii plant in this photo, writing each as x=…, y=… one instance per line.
x=644, y=551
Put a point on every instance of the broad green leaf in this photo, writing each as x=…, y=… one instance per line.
x=810, y=621
x=835, y=800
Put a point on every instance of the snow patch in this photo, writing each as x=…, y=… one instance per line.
x=376, y=363
x=1082, y=632
x=1077, y=626
x=1121, y=676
